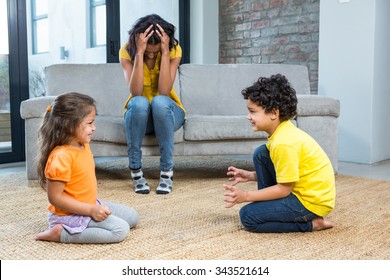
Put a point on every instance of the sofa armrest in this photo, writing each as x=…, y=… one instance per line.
x=32, y=111
x=35, y=107
x=315, y=105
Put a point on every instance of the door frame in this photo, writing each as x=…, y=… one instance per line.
x=18, y=77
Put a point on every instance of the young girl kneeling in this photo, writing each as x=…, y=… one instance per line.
x=66, y=170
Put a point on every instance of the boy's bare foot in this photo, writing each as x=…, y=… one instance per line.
x=321, y=223
x=53, y=234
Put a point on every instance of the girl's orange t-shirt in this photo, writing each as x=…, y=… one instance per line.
x=76, y=168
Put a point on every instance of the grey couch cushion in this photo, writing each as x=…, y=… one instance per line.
x=104, y=82
x=216, y=89
x=111, y=129
x=314, y=105
x=211, y=128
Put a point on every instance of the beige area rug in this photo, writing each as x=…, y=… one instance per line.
x=192, y=223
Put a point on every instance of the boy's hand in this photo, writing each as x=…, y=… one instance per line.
x=237, y=175
x=235, y=196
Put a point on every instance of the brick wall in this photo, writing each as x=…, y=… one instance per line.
x=5, y=126
x=270, y=31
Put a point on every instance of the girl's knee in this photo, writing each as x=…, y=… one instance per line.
x=121, y=231
x=133, y=218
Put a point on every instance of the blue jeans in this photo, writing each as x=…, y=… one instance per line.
x=162, y=117
x=280, y=215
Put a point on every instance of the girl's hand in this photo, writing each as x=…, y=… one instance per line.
x=164, y=39
x=238, y=175
x=142, y=40
x=100, y=212
x=235, y=196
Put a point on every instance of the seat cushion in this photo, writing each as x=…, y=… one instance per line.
x=213, y=128
x=111, y=129
x=215, y=89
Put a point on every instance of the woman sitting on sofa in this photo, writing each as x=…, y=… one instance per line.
x=150, y=60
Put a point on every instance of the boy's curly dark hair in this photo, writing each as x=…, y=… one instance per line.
x=274, y=92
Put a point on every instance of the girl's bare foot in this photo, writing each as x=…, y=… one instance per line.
x=321, y=223
x=53, y=234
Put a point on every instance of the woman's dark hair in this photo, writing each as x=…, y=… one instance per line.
x=142, y=24
x=271, y=93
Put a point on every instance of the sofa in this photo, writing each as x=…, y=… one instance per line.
x=216, y=113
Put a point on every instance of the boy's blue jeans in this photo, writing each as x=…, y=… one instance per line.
x=162, y=117
x=279, y=215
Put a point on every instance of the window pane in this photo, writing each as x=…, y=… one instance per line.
x=62, y=39
x=3, y=28
x=42, y=37
x=100, y=25
x=98, y=2
x=41, y=7
x=5, y=113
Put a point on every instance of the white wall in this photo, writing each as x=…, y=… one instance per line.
x=204, y=36
x=132, y=10
x=67, y=27
x=354, y=68
x=381, y=103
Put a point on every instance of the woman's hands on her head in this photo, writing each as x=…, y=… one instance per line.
x=164, y=38
x=142, y=40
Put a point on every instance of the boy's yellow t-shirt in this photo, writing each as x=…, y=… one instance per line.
x=298, y=158
x=150, y=89
x=77, y=169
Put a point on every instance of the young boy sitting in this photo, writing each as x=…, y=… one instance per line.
x=295, y=178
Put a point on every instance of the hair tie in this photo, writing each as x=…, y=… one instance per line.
x=48, y=109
